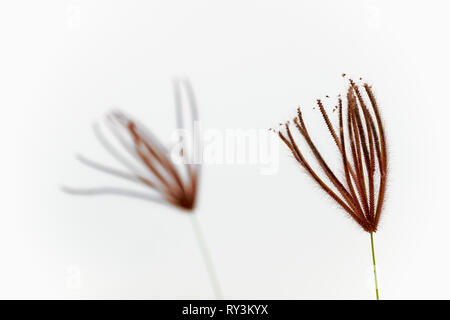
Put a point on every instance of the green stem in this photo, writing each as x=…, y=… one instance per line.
x=374, y=267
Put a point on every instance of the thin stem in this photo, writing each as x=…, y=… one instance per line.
x=207, y=257
x=374, y=267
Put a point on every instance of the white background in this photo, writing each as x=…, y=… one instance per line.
x=63, y=64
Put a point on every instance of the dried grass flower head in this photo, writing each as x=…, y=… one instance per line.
x=149, y=162
x=169, y=172
x=361, y=150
